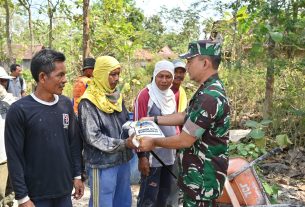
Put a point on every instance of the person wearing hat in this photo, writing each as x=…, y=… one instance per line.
x=4, y=78
x=178, y=90
x=6, y=99
x=81, y=83
x=157, y=99
x=101, y=114
x=203, y=142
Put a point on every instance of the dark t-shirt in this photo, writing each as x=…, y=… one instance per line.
x=43, y=144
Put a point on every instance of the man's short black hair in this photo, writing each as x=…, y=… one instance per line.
x=215, y=60
x=14, y=67
x=44, y=61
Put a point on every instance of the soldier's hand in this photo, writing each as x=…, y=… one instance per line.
x=129, y=143
x=143, y=166
x=79, y=188
x=146, y=144
x=29, y=203
x=149, y=118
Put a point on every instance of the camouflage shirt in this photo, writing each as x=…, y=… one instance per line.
x=203, y=166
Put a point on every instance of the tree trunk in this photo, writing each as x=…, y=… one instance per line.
x=50, y=32
x=267, y=112
x=27, y=5
x=50, y=14
x=8, y=34
x=295, y=8
x=269, y=81
x=31, y=29
x=233, y=45
x=86, y=46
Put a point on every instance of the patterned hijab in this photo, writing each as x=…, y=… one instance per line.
x=99, y=92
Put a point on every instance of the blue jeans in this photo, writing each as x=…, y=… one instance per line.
x=64, y=201
x=155, y=188
x=110, y=187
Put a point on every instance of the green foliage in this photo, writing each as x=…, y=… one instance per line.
x=276, y=36
x=283, y=140
x=246, y=91
x=257, y=134
x=115, y=28
x=153, y=32
x=257, y=131
x=248, y=150
x=68, y=89
x=30, y=83
x=272, y=191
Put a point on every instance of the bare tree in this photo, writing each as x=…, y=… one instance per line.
x=27, y=5
x=268, y=105
x=86, y=46
x=8, y=33
x=51, y=10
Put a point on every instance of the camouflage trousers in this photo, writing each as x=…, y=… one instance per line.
x=189, y=202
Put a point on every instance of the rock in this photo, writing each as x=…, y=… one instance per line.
x=275, y=167
x=236, y=134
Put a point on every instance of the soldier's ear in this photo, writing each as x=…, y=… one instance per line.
x=207, y=62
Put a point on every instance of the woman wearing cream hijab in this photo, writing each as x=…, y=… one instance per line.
x=154, y=100
x=101, y=115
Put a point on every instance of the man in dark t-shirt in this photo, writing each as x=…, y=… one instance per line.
x=42, y=139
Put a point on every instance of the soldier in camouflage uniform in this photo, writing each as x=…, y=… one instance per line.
x=203, y=153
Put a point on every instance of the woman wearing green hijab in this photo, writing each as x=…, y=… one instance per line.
x=101, y=115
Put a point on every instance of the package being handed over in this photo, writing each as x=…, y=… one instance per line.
x=139, y=129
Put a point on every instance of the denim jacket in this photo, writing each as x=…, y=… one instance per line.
x=104, y=139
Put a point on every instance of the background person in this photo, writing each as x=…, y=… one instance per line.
x=178, y=90
x=6, y=99
x=81, y=83
x=17, y=85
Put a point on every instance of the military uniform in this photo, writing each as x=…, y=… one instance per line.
x=203, y=166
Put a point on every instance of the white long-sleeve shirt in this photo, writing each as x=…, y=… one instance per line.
x=6, y=99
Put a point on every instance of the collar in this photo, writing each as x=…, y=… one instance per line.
x=45, y=102
x=211, y=78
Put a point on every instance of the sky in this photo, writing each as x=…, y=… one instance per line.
x=151, y=7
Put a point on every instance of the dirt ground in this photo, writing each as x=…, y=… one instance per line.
x=85, y=200
x=286, y=170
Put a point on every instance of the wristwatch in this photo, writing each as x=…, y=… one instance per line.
x=156, y=119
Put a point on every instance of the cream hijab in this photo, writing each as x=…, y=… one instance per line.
x=164, y=100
